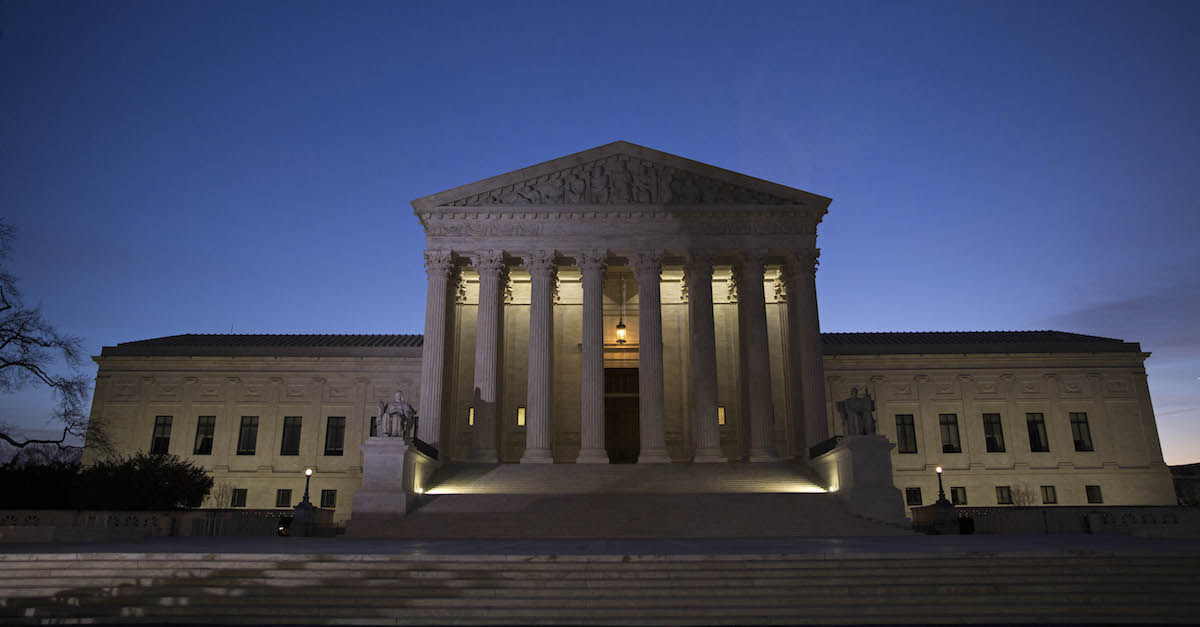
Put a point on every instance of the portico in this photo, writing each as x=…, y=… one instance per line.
x=528, y=273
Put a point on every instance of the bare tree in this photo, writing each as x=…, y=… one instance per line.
x=1023, y=495
x=219, y=496
x=30, y=349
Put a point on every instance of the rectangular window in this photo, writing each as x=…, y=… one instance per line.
x=993, y=433
x=1038, y=442
x=958, y=495
x=1080, y=432
x=906, y=434
x=205, y=427
x=470, y=416
x=1003, y=495
x=520, y=416
x=283, y=498
x=1093, y=494
x=161, y=441
x=1049, y=495
x=335, y=435
x=239, y=498
x=721, y=415
x=950, y=441
x=290, y=442
x=329, y=499
x=912, y=496
x=374, y=427
x=248, y=435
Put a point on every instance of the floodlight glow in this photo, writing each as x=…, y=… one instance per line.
x=939, y=470
x=308, y=472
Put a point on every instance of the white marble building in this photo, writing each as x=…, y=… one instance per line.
x=626, y=305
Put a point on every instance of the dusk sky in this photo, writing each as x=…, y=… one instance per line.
x=202, y=167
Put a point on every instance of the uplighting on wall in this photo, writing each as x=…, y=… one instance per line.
x=621, y=319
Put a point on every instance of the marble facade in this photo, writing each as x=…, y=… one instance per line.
x=713, y=274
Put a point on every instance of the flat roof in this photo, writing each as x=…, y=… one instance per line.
x=385, y=345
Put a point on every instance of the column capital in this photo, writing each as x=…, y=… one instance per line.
x=647, y=264
x=540, y=262
x=588, y=260
x=803, y=262
x=438, y=262
x=753, y=262
x=489, y=262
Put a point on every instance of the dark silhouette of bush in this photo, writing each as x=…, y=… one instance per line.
x=145, y=481
x=142, y=481
x=45, y=485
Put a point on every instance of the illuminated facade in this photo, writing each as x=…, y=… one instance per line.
x=625, y=305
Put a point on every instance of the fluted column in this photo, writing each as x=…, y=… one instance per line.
x=485, y=396
x=807, y=330
x=592, y=265
x=647, y=267
x=540, y=264
x=699, y=273
x=438, y=267
x=758, y=360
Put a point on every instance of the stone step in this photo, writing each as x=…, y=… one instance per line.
x=550, y=577
x=15, y=571
x=627, y=515
x=481, y=590
x=805, y=583
x=660, y=590
x=898, y=561
x=1003, y=611
x=782, y=477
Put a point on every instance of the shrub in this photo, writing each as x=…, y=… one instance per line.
x=142, y=481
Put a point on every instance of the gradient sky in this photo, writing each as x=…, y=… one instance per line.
x=179, y=167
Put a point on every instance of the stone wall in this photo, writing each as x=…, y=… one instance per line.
x=1126, y=461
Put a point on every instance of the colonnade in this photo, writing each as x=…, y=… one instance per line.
x=806, y=390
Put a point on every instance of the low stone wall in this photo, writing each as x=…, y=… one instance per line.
x=107, y=525
x=1144, y=521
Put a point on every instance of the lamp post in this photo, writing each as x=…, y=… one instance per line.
x=302, y=513
x=308, y=477
x=941, y=490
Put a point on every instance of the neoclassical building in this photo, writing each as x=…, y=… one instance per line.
x=626, y=305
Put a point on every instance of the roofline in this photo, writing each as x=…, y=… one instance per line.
x=426, y=203
x=259, y=351
x=981, y=348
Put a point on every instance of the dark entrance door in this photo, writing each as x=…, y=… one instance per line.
x=621, y=432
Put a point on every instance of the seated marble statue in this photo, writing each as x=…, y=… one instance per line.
x=398, y=418
x=857, y=413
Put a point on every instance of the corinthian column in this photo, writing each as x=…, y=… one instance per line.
x=699, y=272
x=540, y=264
x=438, y=266
x=647, y=267
x=592, y=264
x=758, y=360
x=490, y=265
x=805, y=329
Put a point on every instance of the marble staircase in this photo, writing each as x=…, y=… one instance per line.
x=624, y=501
x=369, y=589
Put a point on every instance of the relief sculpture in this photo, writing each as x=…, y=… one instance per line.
x=621, y=180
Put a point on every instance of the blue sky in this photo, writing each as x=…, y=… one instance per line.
x=181, y=167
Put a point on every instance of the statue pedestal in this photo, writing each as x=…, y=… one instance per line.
x=394, y=475
x=859, y=471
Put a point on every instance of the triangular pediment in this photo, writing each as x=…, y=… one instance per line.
x=620, y=173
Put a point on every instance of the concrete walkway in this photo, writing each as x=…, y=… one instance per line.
x=856, y=547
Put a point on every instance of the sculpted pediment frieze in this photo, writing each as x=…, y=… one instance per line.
x=621, y=179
